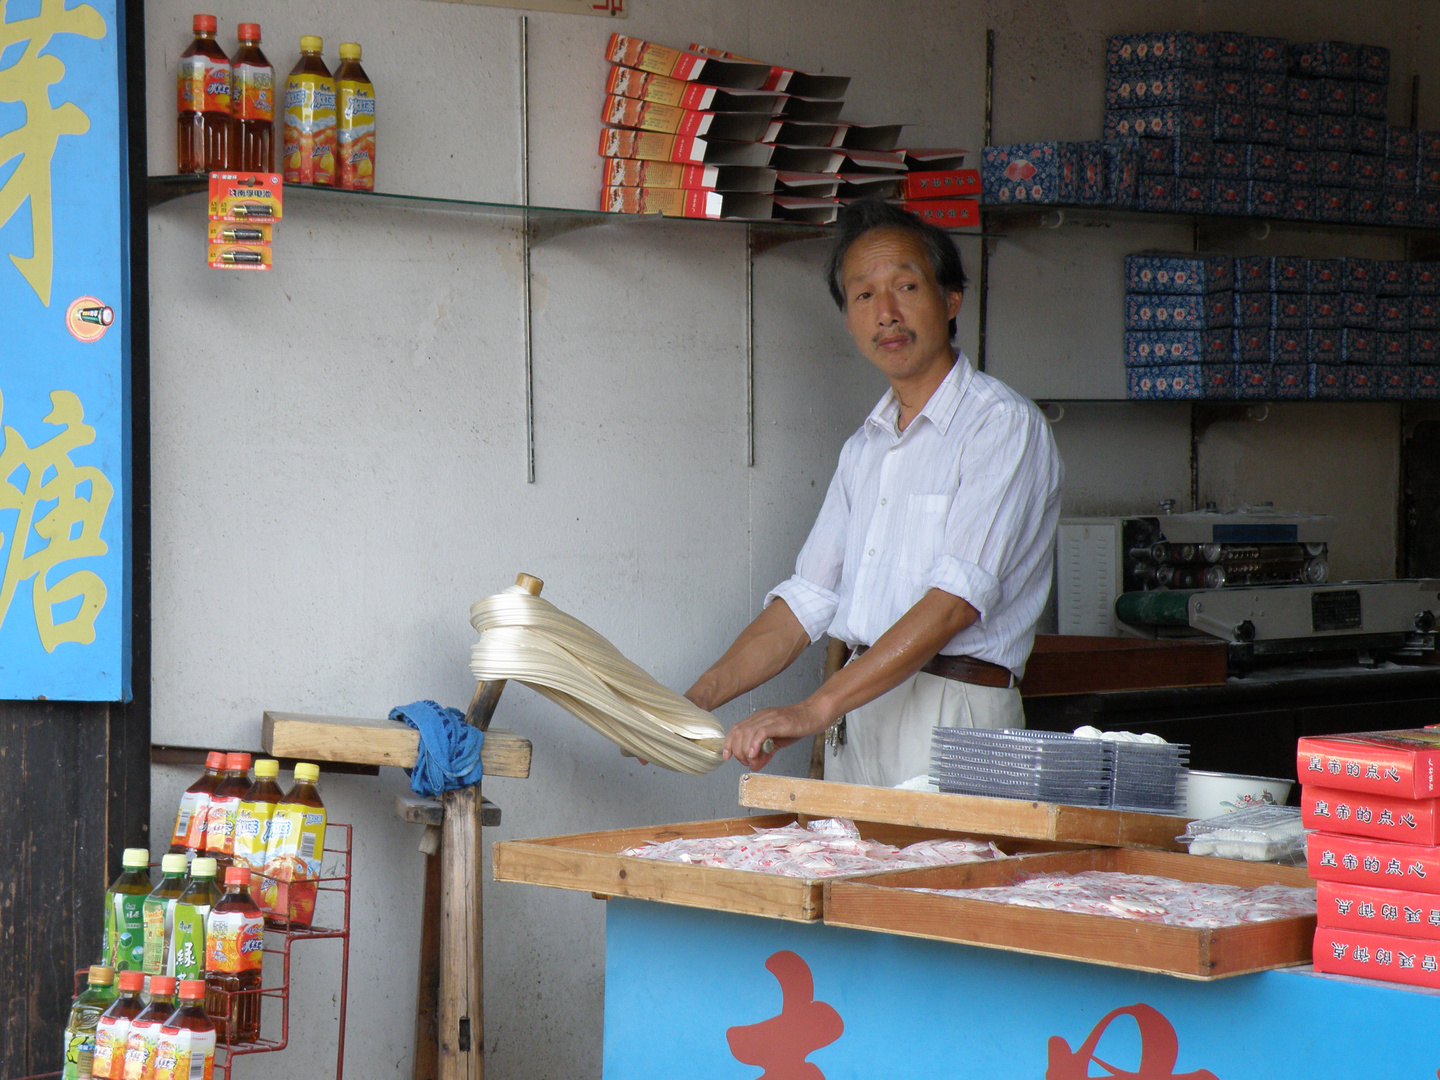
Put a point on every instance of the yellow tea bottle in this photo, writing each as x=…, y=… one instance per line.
x=354, y=123
x=310, y=118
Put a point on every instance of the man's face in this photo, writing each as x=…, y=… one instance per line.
x=895, y=310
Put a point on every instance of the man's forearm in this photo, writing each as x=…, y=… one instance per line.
x=765, y=648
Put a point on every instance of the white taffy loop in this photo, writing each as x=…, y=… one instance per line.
x=530, y=640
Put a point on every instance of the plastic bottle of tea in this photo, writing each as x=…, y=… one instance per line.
x=124, y=946
x=253, y=821
x=112, y=1031
x=79, y=1055
x=234, y=953
x=309, y=148
x=187, y=1038
x=292, y=858
x=203, y=128
x=354, y=122
x=254, y=103
x=224, y=806
x=158, y=914
x=188, y=836
x=192, y=908
x=144, y=1038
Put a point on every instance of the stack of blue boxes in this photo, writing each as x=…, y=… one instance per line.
x=1214, y=326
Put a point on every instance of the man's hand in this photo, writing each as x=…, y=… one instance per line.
x=745, y=742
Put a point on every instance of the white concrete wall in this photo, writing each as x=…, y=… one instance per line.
x=339, y=444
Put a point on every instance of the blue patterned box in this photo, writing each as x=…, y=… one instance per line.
x=1122, y=171
x=1156, y=156
x=1035, y=172
x=1359, y=275
x=1268, y=163
x=1302, y=132
x=1252, y=273
x=1291, y=380
x=1181, y=381
x=1400, y=174
x=1171, y=86
x=1289, y=273
x=1264, y=199
x=1427, y=176
x=1301, y=166
x=1269, y=126
x=1392, y=381
x=1360, y=383
x=1424, y=383
x=1287, y=310
x=1428, y=143
x=1392, y=277
x=1232, y=87
x=1425, y=313
x=1233, y=123
x=1337, y=96
x=1299, y=204
x=1194, y=158
x=1269, y=91
x=1152, y=348
x=1424, y=279
x=1165, y=122
x=1392, y=348
x=1178, y=273
x=1401, y=143
x=1327, y=381
x=1365, y=208
x=1155, y=193
x=1192, y=196
x=1159, y=49
x=1254, y=380
x=1426, y=210
x=1231, y=50
x=1371, y=100
x=1251, y=346
x=1424, y=347
x=1230, y=161
x=1252, y=310
x=1324, y=59
x=1335, y=133
x=1373, y=64
x=1367, y=172
x=1322, y=311
x=1090, y=173
x=1289, y=346
x=1397, y=207
x=1270, y=54
x=1357, y=346
x=1357, y=310
x=1369, y=137
x=1332, y=168
x=1302, y=97
x=1324, y=346
x=1392, y=315
x=1331, y=204
x=1324, y=276
x=1152, y=312
x=1227, y=196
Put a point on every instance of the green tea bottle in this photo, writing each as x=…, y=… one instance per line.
x=124, y=947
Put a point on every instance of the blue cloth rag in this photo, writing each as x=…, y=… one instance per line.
x=449, y=752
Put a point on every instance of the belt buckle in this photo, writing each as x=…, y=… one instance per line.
x=835, y=736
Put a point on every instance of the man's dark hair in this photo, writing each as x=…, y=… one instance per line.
x=863, y=215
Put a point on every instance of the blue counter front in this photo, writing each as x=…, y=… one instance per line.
x=703, y=994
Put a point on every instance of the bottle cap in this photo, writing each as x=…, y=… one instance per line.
x=267, y=767
x=131, y=981
x=215, y=759
x=311, y=43
x=173, y=864
x=190, y=989
x=135, y=858
x=307, y=772
x=205, y=24
x=248, y=31
x=162, y=985
x=100, y=975
x=237, y=762
x=237, y=875
x=349, y=50
x=203, y=867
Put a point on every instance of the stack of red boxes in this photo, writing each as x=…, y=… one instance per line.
x=1373, y=799
x=703, y=133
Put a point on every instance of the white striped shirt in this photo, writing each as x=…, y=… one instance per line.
x=966, y=499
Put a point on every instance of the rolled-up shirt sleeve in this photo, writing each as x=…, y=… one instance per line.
x=1005, y=482
x=812, y=592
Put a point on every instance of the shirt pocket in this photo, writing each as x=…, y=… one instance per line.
x=924, y=536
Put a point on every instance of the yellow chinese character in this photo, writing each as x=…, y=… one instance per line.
x=28, y=82
x=44, y=473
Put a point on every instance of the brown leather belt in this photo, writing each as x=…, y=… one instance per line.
x=964, y=669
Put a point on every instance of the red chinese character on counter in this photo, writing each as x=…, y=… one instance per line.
x=1159, y=1047
x=781, y=1044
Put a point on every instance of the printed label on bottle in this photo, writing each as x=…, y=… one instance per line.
x=220, y=825
x=79, y=1054
x=140, y=1048
x=234, y=942
x=254, y=92
x=111, y=1034
x=195, y=832
x=188, y=804
x=252, y=833
x=204, y=84
x=355, y=135
x=187, y=946
x=309, y=130
x=159, y=927
x=125, y=931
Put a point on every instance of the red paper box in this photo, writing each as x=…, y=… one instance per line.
x=947, y=213
x=942, y=184
x=1377, y=956
x=1378, y=911
x=1358, y=860
x=1400, y=764
x=1358, y=813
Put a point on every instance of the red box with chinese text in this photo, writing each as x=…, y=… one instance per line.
x=1372, y=910
x=1358, y=860
x=946, y=213
x=1377, y=956
x=1357, y=813
x=1401, y=764
x=942, y=184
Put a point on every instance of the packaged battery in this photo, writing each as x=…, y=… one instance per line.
x=1155, y=348
x=1184, y=273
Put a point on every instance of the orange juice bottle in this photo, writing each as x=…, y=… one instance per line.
x=254, y=103
x=225, y=807
x=309, y=118
x=187, y=1038
x=188, y=836
x=234, y=951
x=354, y=122
x=112, y=1031
x=289, y=886
x=203, y=136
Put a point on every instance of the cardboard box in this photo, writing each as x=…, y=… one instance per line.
x=1159, y=312
x=1424, y=312
x=1392, y=348
x=1332, y=168
x=1227, y=196
x=1335, y=133
x=1264, y=199
x=1252, y=310
x=1302, y=97
x=670, y=120
x=1043, y=172
x=1252, y=273
x=1361, y=383
x=1269, y=126
x=683, y=149
x=1170, y=86
x=1427, y=176
x=1372, y=100
x=1330, y=204
x=1301, y=132
x=1373, y=64
x=1122, y=173
x=1359, y=275
x=1292, y=381
x=785, y=132
x=1337, y=96
x=1366, y=208
x=942, y=184
x=1270, y=54
x=1164, y=122
x=687, y=202
x=1398, y=207
x=1192, y=196
x=1233, y=123
x=1302, y=166
x=1156, y=193
x=1384, y=957
x=811, y=185
x=1356, y=813
x=1392, y=315
x=1230, y=161
x=1323, y=312
x=1158, y=348
x=1358, y=310
x=1325, y=59
x=1425, y=383
x=1160, y=49
x=663, y=90
x=1287, y=311
x=1178, y=273
x=933, y=159
x=870, y=136
x=1424, y=347
x=1426, y=210
x=1327, y=382
x=1181, y=382
x=1368, y=909
x=688, y=66
x=1360, y=860
x=1401, y=143
x=855, y=185
x=803, y=108
x=1289, y=346
x=1289, y=273
x=631, y=172
x=1367, y=172
x=1251, y=345
x=1269, y=90
x=946, y=213
x=1194, y=158
x=1392, y=381
x=1400, y=174
x=1323, y=275
x=1357, y=346
x=1268, y=163
x=1157, y=157
x=1232, y=50
x=1325, y=346
x=1231, y=88
x=1369, y=137
x=811, y=210
x=1401, y=764
x=1254, y=380
x=1424, y=279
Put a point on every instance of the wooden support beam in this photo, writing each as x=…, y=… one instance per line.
x=422, y=811
x=462, y=1019
x=377, y=742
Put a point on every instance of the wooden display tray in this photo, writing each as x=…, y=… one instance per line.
x=591, y=862
x=971, y=814
x=885, y=903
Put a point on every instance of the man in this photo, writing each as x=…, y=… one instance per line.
x=936, y=535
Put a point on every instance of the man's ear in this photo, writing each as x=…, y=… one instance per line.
x=952, y=302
